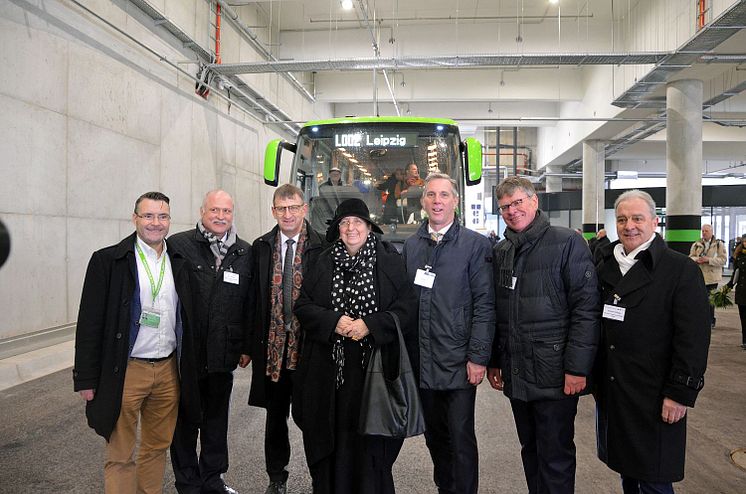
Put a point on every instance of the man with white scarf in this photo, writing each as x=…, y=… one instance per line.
x=652, y=358
x=221, y=264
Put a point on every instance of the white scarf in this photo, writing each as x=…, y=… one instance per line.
x=627, y=261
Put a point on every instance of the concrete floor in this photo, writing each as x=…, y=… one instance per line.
x=45, y=445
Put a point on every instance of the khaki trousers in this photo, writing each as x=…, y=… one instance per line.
x=151, y=394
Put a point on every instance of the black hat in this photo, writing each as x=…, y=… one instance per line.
x=349, y=207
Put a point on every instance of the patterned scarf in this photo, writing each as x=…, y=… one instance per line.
x=280, y=335
x=353, y=293
x=504, y=257
x=218, y=248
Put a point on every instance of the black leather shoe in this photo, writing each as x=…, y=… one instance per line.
x=276, y=488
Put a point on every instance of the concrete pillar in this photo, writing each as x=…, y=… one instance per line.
x=593, y=187
x=554, y=184
x=683, y=163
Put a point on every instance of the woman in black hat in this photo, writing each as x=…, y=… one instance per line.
x=342, y=310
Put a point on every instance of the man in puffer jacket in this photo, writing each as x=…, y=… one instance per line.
x=548, y=328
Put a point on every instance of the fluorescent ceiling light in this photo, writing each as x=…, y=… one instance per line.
x=347, y=4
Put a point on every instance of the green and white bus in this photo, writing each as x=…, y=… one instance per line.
x=372, y=155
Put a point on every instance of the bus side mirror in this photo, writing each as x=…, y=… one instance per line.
x=472, y=150
x=272, y=159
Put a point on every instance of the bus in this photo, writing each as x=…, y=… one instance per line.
x=376, y=159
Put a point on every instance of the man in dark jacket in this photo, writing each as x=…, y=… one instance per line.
x=221, y=263
x=276, y=337
x=133, y=344
x=656, y=334
x=547, y=333
x=449, y=266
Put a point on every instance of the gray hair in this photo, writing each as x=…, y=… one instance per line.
x=214, y=192
x=441, y=176
x=636, y=194
x=508, y=187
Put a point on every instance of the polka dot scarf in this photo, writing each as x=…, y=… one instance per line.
x=353, y=293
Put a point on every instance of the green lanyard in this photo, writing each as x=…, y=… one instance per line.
x=153, y=288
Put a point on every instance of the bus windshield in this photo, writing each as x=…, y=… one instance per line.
x=382, y=163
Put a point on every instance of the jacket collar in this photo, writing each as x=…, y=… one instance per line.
x=451, y=234
x=126, y=246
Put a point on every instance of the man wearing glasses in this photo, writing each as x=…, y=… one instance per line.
x=281, y=258
x=133, y=344
x=548, y=328
x=221, y=263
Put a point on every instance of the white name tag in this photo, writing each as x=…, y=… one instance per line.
x=515, y=280
x=614, y=312
x=424, y=278
x=230, y=277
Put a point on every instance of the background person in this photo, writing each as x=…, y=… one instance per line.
x=282, y=258
x=450, y=266
x=709, y=253
x=221, y=263
x=133, y=344
x=343, y=311
x=547, y=309
x=653, y=355
x=739, y=281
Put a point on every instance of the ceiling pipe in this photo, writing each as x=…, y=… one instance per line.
x=257, y=45
x=377, y=53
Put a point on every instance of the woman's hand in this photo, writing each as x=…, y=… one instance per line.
x=343, y=325
x=358, y=330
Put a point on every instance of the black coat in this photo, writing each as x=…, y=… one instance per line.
x=740, y=264
x=223, y=308
x=457, y=316
x=103, y=330
x=548, y=326
x=262, y=251
x=314, y=386
x=661, y=344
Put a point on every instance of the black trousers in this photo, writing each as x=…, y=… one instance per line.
x=710, y=288
x=450, y=437
x=276, y=441
x=204, y=474
x=546, y=431
x=742, y=313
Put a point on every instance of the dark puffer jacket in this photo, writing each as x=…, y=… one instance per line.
x=223, y=308
x=549, y=325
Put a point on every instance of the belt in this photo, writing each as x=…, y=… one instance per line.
x=152, y=360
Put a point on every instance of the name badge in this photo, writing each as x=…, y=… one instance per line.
x=424, y=278
x=230, y=277
x=614, y=312
x=513, y=282
x=150, y=317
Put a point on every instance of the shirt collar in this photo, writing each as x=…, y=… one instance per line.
x=284, y=238
x=442, y=231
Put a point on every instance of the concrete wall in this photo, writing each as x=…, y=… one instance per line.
x=91, y=121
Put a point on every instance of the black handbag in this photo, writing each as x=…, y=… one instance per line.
x=391, y=408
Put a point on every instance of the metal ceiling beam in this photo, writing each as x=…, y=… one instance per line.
x=442, y=62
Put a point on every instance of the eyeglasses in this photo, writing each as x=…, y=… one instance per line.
x=294, y=209
x=515, y=204
x=351, y=222
x=163, y=217
x=225, y=211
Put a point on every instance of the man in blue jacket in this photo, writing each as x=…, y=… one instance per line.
x=449, y=266
x=548, y=328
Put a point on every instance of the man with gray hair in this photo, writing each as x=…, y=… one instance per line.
x=221, y=263
x=449, y=266
x=652, y=360
x=547, y=307
x=709, y=253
